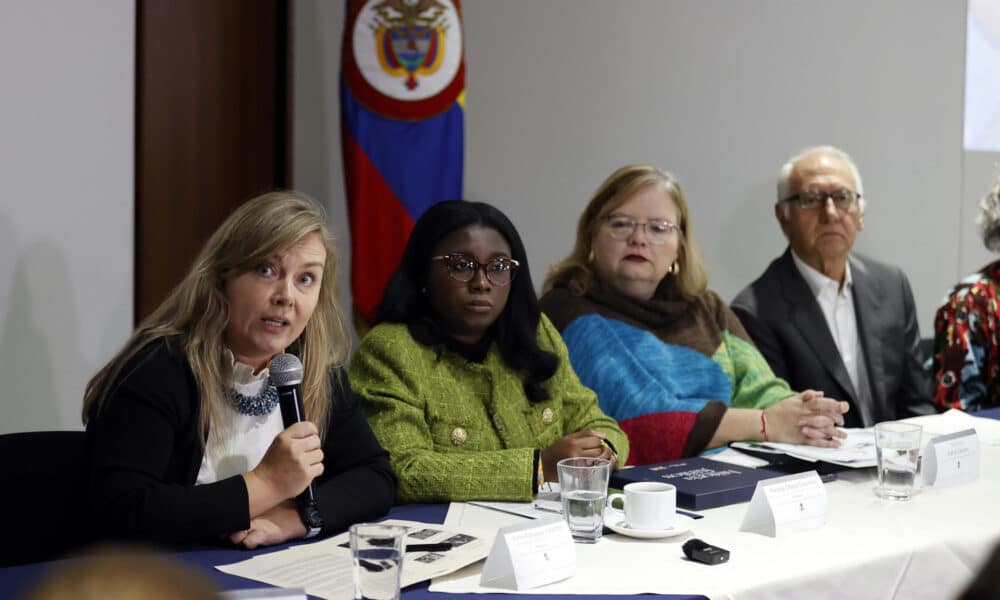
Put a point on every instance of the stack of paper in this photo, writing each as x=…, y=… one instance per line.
x=857, y=450
x=546, y=506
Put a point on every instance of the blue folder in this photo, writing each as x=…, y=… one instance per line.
x=701, y=482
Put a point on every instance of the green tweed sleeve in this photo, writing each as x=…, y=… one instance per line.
x=580, y=408
x=754, y=383
x=427, y=413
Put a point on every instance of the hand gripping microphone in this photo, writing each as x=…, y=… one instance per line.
x=286, y=375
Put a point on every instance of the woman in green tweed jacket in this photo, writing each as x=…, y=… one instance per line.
x=464, y=381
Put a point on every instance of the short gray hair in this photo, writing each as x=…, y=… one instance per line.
x=785, y=174
x=989, y=218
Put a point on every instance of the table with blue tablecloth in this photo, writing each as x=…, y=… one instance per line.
x=928, y=547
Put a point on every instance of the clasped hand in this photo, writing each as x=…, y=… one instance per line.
x=587, y=443
x=808, y=418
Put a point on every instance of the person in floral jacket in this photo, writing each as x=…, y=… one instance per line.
x=966, y=357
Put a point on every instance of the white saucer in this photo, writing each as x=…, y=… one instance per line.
x=615, y=521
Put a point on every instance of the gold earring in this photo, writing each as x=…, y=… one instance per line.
x=590, y=256
x=675, y=268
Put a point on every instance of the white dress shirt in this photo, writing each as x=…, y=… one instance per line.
x=837, y=304
x=238, y=444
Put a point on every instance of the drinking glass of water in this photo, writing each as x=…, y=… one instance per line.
x=377, y=551
x=897, y=447
x=583, y=484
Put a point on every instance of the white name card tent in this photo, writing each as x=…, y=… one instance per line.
x=951, y=459
x=531, y=554
x=783, y=505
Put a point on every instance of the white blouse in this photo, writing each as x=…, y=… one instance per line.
x=239, y=442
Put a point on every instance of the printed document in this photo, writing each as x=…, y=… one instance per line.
x=324, y=568
x=857, y=450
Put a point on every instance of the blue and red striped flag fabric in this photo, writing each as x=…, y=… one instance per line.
x=402, y=96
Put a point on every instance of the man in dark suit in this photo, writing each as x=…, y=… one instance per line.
x=830, y=319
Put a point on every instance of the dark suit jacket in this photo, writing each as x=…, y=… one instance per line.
x=144, y=452
x=782, y=316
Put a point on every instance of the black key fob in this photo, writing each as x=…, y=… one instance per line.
x=704, y=552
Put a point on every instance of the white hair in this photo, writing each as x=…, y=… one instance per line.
x=785, y=174
x=989, y=218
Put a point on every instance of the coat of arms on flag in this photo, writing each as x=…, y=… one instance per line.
x=402, y=126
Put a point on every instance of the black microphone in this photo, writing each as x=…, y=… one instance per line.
x=704, y=552
x=286, y=375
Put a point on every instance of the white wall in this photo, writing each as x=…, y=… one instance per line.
x=66, y=214
x=318, y=169
x=562, y=92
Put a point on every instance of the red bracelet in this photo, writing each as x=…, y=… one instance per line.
x=763, y=426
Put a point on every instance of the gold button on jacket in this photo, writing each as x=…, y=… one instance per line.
x=459, y=430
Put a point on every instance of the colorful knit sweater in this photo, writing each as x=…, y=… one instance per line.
x=966, y=357
x=665, y=368
x=462, y=430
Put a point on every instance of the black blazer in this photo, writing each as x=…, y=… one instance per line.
x=144, y=452
x=780, y=313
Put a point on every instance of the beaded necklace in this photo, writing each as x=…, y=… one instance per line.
x=261, y=404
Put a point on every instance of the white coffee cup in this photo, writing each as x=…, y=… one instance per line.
x=647, y=504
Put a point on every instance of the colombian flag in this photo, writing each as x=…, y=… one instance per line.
x=402, y=95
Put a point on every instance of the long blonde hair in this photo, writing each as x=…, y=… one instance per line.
x=196, y=312
x=120, y=573
x=576, y=271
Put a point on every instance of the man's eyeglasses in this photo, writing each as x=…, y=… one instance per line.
x=462, y=267
x=843, y=199
x=657, y=232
